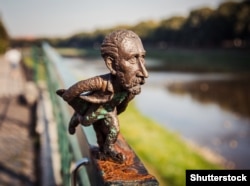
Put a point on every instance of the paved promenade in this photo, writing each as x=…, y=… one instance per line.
x=17, y=149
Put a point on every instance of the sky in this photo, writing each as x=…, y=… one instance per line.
x=63, y=18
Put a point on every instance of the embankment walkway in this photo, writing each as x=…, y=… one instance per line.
x=17, y=140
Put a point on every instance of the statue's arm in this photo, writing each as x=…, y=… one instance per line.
x=75, y=90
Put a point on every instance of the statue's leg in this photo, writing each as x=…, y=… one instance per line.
x=112, y=122
x=73, y=123
x=94, y=113
x=107, y=128
x=101, y=131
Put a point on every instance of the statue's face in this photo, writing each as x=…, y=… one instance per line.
x=132, y=71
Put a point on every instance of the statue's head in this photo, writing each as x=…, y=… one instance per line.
x=123, y=53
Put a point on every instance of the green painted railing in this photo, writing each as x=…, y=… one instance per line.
x=70, y=151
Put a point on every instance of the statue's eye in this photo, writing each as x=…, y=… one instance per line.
x=137, y=58
x=133, y=59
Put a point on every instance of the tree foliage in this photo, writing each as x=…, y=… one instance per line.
x=226, y=26
x=4, y=38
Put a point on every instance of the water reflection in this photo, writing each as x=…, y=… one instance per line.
x=232, y=94
x=194, y=116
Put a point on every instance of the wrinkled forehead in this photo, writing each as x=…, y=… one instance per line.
x=132, y=46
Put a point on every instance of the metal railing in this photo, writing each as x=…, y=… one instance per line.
x=70, y=152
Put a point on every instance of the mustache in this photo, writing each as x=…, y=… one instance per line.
x=136, y=81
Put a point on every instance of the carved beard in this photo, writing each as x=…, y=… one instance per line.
x=134, y=87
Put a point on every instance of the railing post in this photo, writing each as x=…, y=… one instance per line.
x=35, y=56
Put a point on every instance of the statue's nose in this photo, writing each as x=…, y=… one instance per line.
x=143, y=69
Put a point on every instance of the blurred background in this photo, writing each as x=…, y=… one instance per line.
x=194, y=110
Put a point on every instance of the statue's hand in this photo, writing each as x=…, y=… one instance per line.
x=60, y=92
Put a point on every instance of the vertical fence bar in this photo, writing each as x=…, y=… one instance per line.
x=35, y=56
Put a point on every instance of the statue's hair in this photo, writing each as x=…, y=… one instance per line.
x=112, y=41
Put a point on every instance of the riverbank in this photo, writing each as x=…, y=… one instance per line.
x=200, y=60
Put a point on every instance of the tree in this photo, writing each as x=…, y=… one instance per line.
x=196, y=29
x=4, y=38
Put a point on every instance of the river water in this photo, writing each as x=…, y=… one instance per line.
x=207, y=125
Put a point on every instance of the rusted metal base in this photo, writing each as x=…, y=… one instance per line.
x=131, y=172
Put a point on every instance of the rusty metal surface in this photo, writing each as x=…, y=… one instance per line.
x=131, y=172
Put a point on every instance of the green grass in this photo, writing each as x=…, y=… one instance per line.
x=164, y=153
x=203, y=60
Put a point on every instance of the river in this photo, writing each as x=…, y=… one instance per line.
x=206, y=124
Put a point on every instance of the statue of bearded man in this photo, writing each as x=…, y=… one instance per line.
x=99, y=100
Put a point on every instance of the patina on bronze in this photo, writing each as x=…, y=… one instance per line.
x=99, y=100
